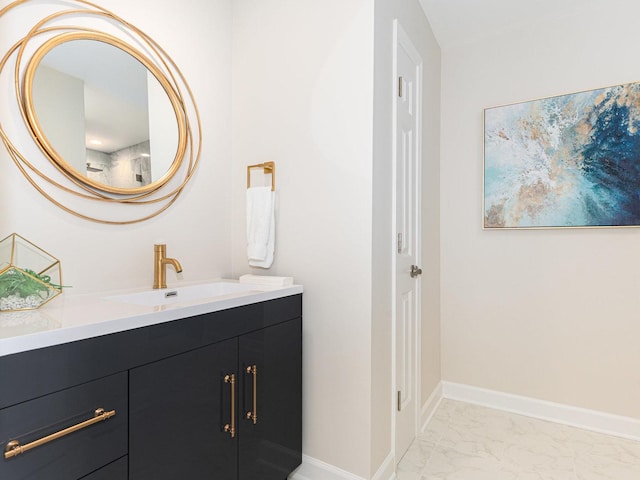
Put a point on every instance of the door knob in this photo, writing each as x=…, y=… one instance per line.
x=415, y=271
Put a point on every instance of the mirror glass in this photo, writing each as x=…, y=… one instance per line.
x=106, y=116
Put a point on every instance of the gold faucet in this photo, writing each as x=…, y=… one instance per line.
x=160, y=262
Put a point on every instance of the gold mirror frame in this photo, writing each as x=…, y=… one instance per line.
x=40, y=137
x=152, y=198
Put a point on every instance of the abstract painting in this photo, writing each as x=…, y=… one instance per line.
x=565, y=161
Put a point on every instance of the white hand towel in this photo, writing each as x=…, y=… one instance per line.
x=260, y=226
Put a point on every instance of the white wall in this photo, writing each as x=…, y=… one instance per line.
x=302, y=97
x=412, y=19
x=548, y=314
x=58, y=100
x=197, y=228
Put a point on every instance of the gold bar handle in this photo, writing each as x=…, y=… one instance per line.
x=14, y=448
x=253, y=414
x=230, y=428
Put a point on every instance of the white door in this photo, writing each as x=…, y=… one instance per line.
x=407, y=143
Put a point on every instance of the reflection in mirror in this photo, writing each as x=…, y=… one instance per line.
x=105, y=115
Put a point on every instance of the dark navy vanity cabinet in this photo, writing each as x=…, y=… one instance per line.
x=211, y=396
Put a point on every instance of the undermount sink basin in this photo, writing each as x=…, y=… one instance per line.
x=186, y=294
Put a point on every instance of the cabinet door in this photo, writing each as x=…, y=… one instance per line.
x=271, y=448
x=178, y=407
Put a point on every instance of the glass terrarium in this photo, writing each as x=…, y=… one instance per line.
x=29, y=276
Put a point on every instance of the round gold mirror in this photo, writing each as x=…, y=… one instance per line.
x=115, y=123
x=103, y=113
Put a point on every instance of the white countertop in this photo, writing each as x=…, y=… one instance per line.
x=69, y=318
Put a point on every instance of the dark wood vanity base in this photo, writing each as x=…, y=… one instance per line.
x=211, y=396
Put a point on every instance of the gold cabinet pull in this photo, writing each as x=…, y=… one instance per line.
x=14, y=448
x=253, y=414
x=230, y=428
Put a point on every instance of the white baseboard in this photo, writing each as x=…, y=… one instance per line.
x=619, y=426
x=313, y=469
x=386, y=470
x=430, y=406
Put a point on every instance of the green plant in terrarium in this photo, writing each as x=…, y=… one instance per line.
x=23, y=288
x=15, y=282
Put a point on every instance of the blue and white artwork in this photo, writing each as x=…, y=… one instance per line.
x=566, y=161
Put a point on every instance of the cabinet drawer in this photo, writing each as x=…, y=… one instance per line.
x=117, y=470
x=76, y=453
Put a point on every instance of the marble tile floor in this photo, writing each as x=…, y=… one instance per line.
x=469, y=442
